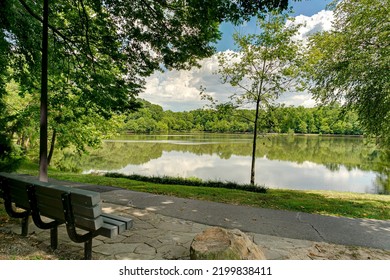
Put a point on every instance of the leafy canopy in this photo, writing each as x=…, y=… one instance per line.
x=265, y=64
x=351, y=63
x=105, y=48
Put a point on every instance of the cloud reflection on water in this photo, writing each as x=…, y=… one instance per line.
x=271, y=173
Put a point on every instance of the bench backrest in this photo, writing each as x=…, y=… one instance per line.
x=86, y=205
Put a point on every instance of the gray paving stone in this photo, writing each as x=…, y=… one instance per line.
x=155, y=243
x=137, y=238
x=145, y=250
x=117, y=239
x=175, y=226
x=133, y=256
x=176, y=238
x=152, y=233
x=171, y=252
x=115, y=249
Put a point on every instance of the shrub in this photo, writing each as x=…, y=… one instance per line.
x=195, y=182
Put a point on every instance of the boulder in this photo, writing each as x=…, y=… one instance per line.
x=217, y=243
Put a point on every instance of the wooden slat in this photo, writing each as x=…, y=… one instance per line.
x=19, y=187
x=14, y=181
x=81, y=210
x=127, y=221
x=51, y=207
x=80, y=221
x=91, y=212
x=88, y=224
x=51, y=212
x=81, y=197
x=108, y=230
x=78, y=195
x=17, y=191
x=120, y=225
x=20, y=197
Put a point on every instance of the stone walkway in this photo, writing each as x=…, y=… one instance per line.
x=158, y=237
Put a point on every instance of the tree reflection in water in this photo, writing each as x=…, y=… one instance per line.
x=341, y=156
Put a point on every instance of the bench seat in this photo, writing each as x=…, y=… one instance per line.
x=77, y=208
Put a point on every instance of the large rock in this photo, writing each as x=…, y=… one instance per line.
x=220, y=244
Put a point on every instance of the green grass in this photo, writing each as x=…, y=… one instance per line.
x=317, y=202
x=195, y=182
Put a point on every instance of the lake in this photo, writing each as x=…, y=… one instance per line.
x=286, y=162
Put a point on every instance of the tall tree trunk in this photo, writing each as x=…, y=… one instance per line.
x=43, y=121
x=52, y=144
x=254, y=143
x=258, y=100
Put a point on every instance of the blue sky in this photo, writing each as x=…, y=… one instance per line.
x=180, y=90
x=304, y=7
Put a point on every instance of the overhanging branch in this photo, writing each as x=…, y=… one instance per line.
x=34, y=15
x=55, y=30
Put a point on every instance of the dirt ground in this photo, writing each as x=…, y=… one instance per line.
x=325, y=251
x=15, y=247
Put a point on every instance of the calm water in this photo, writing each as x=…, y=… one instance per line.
x=289, y=162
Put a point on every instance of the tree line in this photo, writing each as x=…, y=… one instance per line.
x=331, y=119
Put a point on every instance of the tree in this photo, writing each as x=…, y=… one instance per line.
x=351, y=63
x=106, y=48
x=5, y=141
x=264, y=67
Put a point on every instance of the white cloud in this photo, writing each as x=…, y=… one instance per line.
x=297, y=99
x=180, y=90
x=319, y=22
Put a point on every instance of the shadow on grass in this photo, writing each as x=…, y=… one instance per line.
x=328, y=203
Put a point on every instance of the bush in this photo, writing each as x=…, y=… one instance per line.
x=10, y=156
x=195, y=182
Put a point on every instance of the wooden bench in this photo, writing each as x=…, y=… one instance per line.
x=80, y=210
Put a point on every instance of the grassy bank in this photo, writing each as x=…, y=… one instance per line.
x=317, y=202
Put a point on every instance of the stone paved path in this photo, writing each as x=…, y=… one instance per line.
x=158, y=237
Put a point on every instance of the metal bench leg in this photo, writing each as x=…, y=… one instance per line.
x=25, y=222
x=54, y=237
x=24, y=216
x=88, y=250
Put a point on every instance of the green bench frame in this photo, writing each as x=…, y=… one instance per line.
x=76, y=208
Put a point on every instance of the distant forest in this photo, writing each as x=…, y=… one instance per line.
x=334, y=119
